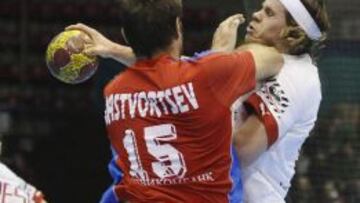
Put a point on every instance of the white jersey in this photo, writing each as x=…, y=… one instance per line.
x=292, y=102
x=13, y=189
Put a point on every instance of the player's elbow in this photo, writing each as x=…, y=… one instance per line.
x=268, y=63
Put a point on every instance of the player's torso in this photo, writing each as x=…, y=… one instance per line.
x=164, y=124
x=292, y=87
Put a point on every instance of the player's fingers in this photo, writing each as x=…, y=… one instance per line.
x=236, y=16
x=89, y=50
x=78, y=27
x=236, y=20
x=94, y=51
x=86, y=38
x=231, y=19
x=82, y=27
x=225, y=22
x=241, y=19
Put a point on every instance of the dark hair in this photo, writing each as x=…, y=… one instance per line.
x=317, y=10
x=150, y=25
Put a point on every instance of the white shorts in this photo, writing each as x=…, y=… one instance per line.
x=258, y=190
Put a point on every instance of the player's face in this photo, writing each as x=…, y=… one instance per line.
x=267, y=23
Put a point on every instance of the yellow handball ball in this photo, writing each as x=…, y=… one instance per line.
x=66, y=60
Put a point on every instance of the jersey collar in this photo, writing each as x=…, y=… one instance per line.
x=150, y=63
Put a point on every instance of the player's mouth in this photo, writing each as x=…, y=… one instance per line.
x=250, y=29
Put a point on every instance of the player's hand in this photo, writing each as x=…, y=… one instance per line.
x=96, y=43
x=39, y=197
x=225, y=35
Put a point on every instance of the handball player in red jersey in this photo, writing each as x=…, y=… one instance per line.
x=170, y=120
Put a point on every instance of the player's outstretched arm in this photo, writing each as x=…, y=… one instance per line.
x=268, y=61
x=225, y=36
x=250, y=140
x=99, y=45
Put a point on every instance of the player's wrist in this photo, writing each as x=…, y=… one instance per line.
x=121, y=53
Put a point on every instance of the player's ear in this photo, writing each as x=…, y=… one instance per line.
x=293, y=36
x=124, y=35
x=179, y=26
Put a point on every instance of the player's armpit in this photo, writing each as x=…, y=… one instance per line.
x=250, y=140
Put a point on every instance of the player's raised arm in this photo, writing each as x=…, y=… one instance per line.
x=99, y=45
x=250, y=139
x=268, y=61
x=225, y=36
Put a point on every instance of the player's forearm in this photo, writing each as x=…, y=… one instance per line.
x=250, y=140
x=122, y=54
x=268, y=61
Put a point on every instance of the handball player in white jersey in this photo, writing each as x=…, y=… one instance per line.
x=14, y=189
x=284, y=109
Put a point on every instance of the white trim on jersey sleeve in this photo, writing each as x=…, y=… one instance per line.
x=279, y=100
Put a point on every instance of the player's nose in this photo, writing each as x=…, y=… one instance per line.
x=256, y=16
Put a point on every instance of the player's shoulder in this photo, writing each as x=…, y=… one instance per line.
x=220, y=64
x=201, y=63
x=119, y=82
x=200, y=57
x=301, y=65
x=300, y=79
x=211, y=57
x=300, y=72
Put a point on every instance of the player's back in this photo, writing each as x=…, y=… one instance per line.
x=171, y=127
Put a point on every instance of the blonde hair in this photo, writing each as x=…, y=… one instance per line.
x=295, y=37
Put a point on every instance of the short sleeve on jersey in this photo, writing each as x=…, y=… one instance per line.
x=266, y=117
x=230, y=75
x=276, y=105
x=290, y=101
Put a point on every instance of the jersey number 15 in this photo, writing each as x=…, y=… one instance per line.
x=170, y=162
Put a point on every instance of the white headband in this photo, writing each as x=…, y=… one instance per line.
x=303, y=18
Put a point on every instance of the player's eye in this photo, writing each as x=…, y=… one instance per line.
x=269, y=12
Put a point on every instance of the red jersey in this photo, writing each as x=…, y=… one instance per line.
x=169, y=121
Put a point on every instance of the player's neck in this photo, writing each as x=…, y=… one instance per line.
x=281, y=48
x=174, y=50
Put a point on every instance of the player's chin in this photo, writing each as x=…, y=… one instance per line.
x=252, y=39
